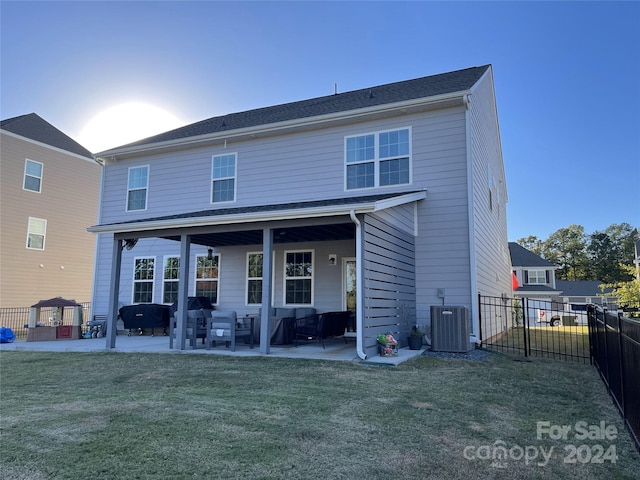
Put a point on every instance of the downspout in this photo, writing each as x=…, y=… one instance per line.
x=96, y=247
x=359, y=265
x=473, y=268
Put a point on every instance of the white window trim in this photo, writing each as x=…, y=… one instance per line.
x=44, y=240
x=285, y=278
x=235, y=178
x=165, y=280
x=376, y=159
x=196, y=279
x=146, y=188
x=134, y=281
x=26, y=162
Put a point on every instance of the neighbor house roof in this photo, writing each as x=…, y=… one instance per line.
x=521, y=257
x=34, y=127
x=424, y=87
x=581, y=288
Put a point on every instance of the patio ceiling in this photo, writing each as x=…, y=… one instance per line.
x=310, y=233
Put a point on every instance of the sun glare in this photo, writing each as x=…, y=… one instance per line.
x=124, y=124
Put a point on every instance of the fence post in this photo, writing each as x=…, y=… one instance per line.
x=621, y=363
x=525, y=325
x=480, y=318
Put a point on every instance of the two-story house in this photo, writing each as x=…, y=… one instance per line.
x=385, y=200
x=49, y=195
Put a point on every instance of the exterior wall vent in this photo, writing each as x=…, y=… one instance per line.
x=450, y=329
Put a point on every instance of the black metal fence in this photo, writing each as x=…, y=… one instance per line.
x=17, y=318
x=534, y=328
x=615, y=349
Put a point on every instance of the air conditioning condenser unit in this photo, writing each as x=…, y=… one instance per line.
x=450, y=329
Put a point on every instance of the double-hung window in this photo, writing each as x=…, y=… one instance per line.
x=207, y=277
x=254, y=278
x=378, y=159
x=298, y=281
x=143, y=275
x=137, y=187
x=171, y=279
x=36, y=233
x=32, y=176
x=223, y=178
x=537, y=277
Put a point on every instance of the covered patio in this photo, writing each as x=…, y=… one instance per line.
x=352, y=219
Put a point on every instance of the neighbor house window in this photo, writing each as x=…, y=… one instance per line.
x=207, y=277
x=537, y=277
x=137, y=188
x=32, y=176
x=143, y=280
x=223, y=186
x=36, y=233
x=378, y=159
x=298, y=281
x=254, y=278
x=171, y=279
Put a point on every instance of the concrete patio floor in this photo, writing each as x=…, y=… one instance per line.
x=335, y=349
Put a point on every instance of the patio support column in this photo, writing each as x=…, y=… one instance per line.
x=114, y=289
x=183, y=292
x=267, y=286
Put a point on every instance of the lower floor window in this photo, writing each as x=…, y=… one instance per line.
x=298, y=289
x=171, y=279
x=143, y=280
x=207, y=277
x=36, y=233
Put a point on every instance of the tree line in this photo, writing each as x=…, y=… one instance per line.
x=606, y=255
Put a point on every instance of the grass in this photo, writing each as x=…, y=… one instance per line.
x=140, y=416
x=570, y=342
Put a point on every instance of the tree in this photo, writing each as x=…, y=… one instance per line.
x=628, y=293
x=609, y=251
x=531, y=243
x=567, y=247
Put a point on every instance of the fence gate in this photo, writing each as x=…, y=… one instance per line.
x=535, y=328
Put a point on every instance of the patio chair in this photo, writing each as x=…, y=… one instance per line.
x=319, y=327
x=196, y=326
x=223, y=326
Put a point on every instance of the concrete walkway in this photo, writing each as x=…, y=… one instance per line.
x=335, y=349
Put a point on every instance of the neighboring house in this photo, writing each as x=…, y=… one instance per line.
x=537, y=283
x=386, y=200
x=536, y=275
x=49, y=196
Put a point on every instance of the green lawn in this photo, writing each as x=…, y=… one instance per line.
x=143, y=416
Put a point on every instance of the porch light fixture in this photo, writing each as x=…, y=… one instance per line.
x=210, y=254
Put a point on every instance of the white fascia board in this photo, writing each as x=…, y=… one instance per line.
x=269, y=128
x=279, y=215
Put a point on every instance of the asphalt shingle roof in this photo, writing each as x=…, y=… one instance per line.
x=581, y=288
x=34, y=127
x=521, y=257
x=441, y=84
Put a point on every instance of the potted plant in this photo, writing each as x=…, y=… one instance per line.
x=415, y=338
x=387, y=345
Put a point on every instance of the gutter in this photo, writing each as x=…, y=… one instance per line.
x=359, y=264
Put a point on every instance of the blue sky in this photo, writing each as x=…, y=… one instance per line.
x=567, y=77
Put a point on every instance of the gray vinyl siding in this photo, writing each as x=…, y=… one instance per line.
x=490, y=225
x=389, y=281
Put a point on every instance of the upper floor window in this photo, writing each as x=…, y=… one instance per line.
x=137, y=188
x=378, y=159
x=537, y=277
x=32, y=176
x=36, y=233
x=298, y=281
x=223, y=178
x=207, y=277
x=171, y=279
x=143, y=275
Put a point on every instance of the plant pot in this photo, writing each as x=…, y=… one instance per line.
x=415, y=343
